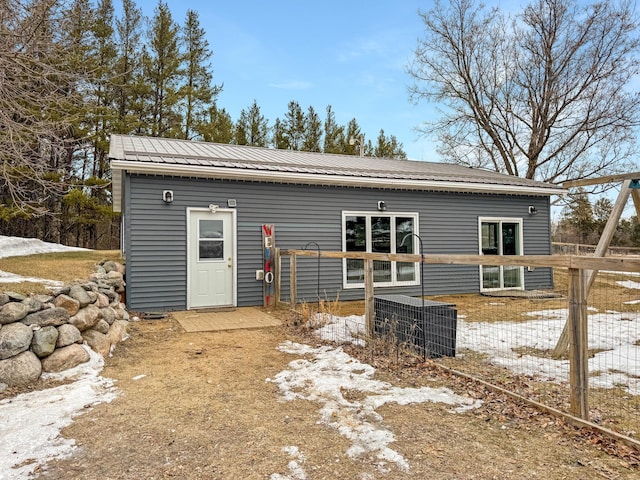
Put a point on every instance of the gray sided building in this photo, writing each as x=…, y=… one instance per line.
x=193, y=215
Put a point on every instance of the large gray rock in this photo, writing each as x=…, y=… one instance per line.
x=23, y=369
x=86, y=318
x=81, y=295
x=102, y=326
x=4, y=298
x=13, y=312
x=46, y=318
x=33, y=304
x=111, y=266
x=65, y=358
x=14, y=339
x=71, y=305
x=98, y=342
x=102, y=301
x=109, y=315
x=16, y=297
x=68, y=335
x=121, y=313
x=44, y=341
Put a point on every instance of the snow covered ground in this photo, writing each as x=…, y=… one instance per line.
x=15, y=247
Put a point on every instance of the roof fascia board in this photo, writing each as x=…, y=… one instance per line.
x=329, y=180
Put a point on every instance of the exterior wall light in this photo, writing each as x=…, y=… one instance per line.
x=532, y=210
x=382, y=206
x=167, y=196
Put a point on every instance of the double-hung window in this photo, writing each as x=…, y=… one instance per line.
x=500, y=236
x=379, y=233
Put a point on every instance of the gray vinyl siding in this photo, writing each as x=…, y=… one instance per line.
x=156, y=243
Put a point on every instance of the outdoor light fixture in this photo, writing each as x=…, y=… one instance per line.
x=231, y=203
x=382, y=206
x=167, y=196
x=213, y=208
x=532, y=210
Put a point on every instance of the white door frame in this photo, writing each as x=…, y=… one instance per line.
x=234, y=249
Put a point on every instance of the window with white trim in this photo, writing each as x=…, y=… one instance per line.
x=379, y=233
x=500, y=236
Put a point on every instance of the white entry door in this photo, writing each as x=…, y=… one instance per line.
x=211, y=259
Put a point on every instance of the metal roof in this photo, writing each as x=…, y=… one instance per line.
x=162, y=156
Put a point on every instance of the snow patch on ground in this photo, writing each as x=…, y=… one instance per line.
x=614, y=336
x=629, y=284
x=329, y=372
x=30, y=423
x=15, y=247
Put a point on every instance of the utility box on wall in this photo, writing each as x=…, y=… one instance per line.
x=427, y=326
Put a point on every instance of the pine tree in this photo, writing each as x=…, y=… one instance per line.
x=198, y=92
x=162, y=72
x=219, y=126
x=312, y=132
x=334, y=141
x=354, y=137
x=388, y=147
x=280, y=140
x=129, y=85
x=293, y=127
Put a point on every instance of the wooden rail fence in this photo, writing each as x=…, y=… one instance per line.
x=580, y=269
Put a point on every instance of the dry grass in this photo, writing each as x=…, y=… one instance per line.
x=63, y=266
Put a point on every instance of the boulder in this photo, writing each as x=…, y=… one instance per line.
x=33, y=304
x=121, y=313
x=81, y=295
x=98, y=342
x=71, y=305
x=102, y=326
x=68, y=335
x=4, y=299
x=109, y=315
x=45, y=318
x=86, y=318
x=13, y=312
x=102, y=301
x=118, y=332
x=23, y=369
x=65, y=358
x=111, y=266
x=44, y=341
x=14, y=339
x=16, y=297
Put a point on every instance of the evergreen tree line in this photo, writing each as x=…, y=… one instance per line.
x=73, y=72
x=583, y=222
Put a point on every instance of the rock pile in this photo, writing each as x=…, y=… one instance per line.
x=45, y=333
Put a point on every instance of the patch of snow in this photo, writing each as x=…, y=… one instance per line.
x=329, y=373
x=629, y=284
x=296, y=472
x=16, y=246
x=341, y=329
x=30, y=423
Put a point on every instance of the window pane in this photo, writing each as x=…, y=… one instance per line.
x=355, y=270
x=510, y=239
x=381, y=271
x=404, y=228
x=211, y=249
x=381, y=234
x=511, y=276
x=405, y=271
x=490, y=238
x=211, y=228
x=356, y=234
x=490, y=276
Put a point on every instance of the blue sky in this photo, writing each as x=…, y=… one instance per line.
x=348, y=54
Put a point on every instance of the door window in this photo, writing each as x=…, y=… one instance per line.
x=210, y=240
x=501, y=236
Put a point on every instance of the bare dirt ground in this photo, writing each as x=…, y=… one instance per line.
x=204, y=410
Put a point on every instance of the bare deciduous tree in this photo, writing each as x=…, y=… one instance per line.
x=543, y=95
x=35, y=93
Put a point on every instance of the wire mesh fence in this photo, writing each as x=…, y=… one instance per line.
x=512, y=339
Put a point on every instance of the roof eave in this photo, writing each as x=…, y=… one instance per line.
x=223, y=173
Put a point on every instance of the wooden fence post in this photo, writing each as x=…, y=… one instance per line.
x=368, y=297
x=292, y=280
x=578, y=343
x=278, y=271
